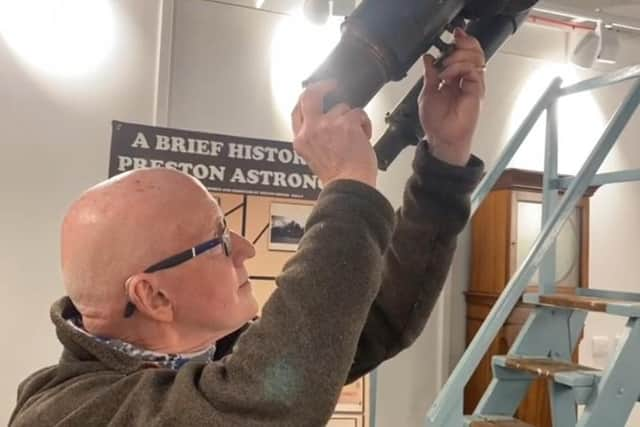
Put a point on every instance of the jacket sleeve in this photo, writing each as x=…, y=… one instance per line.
x=435, y=209
x=290, y=365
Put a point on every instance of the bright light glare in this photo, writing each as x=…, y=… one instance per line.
x=297, y=49
x=62, y=37
x=581, y=122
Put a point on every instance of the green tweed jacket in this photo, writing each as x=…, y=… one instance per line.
x=358, y=291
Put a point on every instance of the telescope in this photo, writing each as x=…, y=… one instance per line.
x=382, y=39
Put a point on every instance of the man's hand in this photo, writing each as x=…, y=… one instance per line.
x=450, y=100
x=336, y=144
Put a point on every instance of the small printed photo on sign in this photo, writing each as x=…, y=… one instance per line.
x=342, y=421
x=352, y=397
x=287, y=225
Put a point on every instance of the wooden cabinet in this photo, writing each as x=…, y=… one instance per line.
x=503, y=230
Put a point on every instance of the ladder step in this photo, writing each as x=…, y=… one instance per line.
x=587, y=303
x=495, y=421
x=562, y=372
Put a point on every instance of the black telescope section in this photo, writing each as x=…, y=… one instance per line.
x=492, y=32
x=403, y=124
x=482, y=9
x=382, y=39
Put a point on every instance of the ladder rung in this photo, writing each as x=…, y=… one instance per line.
x=587, y=303
x=563, y=372
x=497, y=421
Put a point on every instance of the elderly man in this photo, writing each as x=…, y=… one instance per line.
x=157, y=328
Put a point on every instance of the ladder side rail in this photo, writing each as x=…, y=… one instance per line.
x=453, y=388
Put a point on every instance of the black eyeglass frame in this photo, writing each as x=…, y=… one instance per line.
x=184, y=256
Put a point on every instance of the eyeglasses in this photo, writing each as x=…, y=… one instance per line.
x=224, y=239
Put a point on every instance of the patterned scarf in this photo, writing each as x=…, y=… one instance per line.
x=164, y=360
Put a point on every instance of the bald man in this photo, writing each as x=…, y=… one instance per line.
x=157, y=323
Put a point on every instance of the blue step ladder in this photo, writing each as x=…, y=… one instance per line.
x=550, y=335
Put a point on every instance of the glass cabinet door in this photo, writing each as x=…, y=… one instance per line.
x=528, y=219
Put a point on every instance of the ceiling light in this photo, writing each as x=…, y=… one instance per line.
x=587, y=50
x=609, y=46
x=601, y=44
x=60, y=37
x=343, y=7
x=317, y=11
x=297, y=49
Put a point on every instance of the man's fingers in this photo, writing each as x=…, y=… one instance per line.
x=296, y=119
x=337, y=111
x=465, y=66
x=311, y=100
x=453, y=72
x=365, y=122
x=358, y=115
x=431, y=79
x=471, y=56
x=472, y=83
x=310, y=106
x=465, y=41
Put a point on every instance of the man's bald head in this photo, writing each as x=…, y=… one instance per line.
x=121, y=226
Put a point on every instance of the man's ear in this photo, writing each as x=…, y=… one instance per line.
x=143, y=291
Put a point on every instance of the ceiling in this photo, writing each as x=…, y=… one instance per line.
x=629, y=9
x=626, y=8
x=279, y=6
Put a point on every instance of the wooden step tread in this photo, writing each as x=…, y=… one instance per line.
x=561, y=371
x=543, y=367
x=503, y=422
x=589, y=303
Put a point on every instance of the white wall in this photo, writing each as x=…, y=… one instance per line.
x=55, y=143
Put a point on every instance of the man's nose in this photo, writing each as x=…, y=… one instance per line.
x=242, y=249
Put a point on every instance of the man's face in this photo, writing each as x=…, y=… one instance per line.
x=212, y=292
